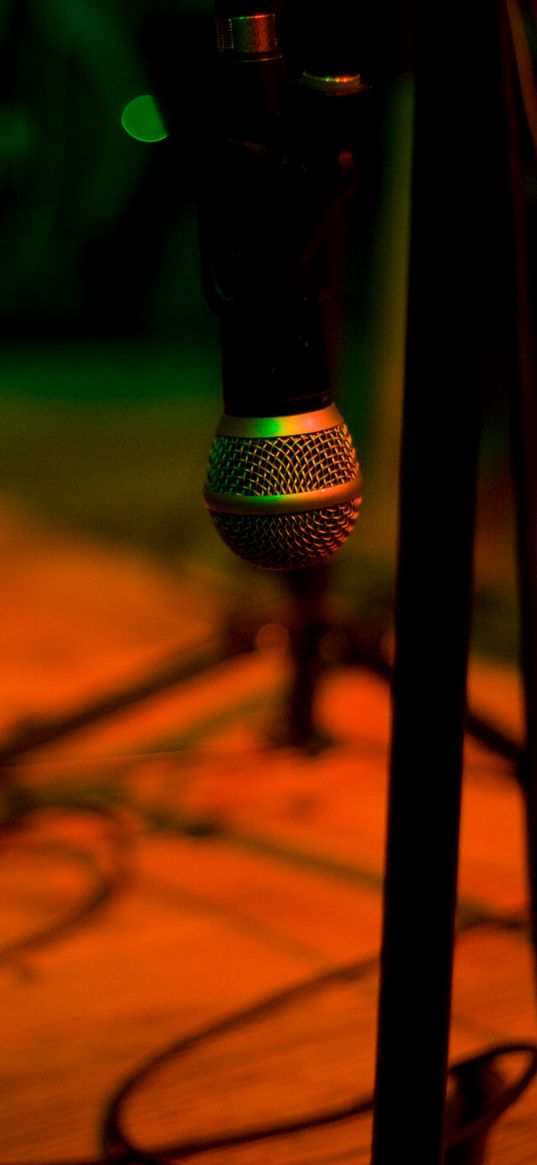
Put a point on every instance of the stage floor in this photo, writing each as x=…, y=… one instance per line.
x=171, y=866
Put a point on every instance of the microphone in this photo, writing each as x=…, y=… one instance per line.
x=283, y=481
x=284, y=492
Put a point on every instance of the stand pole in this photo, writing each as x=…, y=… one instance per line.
x=451, y=271
x=520, y=297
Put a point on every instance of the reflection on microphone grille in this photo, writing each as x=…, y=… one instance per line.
x=285, y=501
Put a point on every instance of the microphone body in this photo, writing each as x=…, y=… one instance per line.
x=283, y=482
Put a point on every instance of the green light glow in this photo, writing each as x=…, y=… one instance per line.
x=18, y=133
x=141, y=119
x=284, y=426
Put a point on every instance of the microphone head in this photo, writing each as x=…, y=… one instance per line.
x=283, y=492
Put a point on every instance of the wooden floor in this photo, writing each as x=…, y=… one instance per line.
x=216, y=871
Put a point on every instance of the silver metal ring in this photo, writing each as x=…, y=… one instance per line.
x=335, y=86
x=247, y=35
x=291, y=426
x=260, y=505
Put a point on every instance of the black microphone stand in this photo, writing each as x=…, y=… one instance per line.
x=465, y=286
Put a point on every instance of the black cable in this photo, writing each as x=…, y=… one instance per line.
x=122, y=1151
x=118, y=1147
x=113, y=1136
x=107, y=884
x=497, y=1105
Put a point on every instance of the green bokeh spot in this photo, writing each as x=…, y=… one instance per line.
x=141, y=119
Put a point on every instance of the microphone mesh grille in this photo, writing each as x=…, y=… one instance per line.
x=288, y=541
x=279, y=466
x=267, y=466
